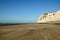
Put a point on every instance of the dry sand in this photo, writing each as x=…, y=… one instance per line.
x=30, y=32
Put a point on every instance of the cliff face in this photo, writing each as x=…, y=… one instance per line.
x=49, y=17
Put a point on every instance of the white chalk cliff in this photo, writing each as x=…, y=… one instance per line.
x=49, y=17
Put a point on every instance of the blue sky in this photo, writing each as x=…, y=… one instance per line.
x=25, y=11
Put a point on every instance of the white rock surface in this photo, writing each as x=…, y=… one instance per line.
x=49, y=17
